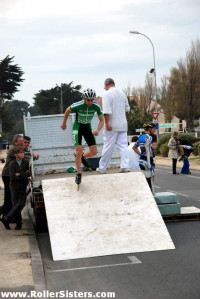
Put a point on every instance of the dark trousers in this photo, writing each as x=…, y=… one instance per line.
x=18, y=201
x=7, y=206
x=174, y=162
x=186, y=166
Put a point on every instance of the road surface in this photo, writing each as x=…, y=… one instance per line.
x=170, y=274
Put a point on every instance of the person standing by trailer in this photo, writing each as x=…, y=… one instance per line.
x=7, y=205
x=19, y=172
x=27, y=156
x=85, y=110
x=27, y=153
x=141, y=142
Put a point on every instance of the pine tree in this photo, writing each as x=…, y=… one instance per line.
x=10, y=80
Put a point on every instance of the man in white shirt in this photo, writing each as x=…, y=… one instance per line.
x=115, y=105
x=133, y=156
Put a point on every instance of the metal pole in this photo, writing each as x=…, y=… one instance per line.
x=61, y=102
x=154, y=63
x=154, y=72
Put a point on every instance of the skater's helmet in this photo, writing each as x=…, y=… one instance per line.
x=89, y=94
x=149, y=125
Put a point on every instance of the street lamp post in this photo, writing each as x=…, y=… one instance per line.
x=61, y=101
x=152, y=70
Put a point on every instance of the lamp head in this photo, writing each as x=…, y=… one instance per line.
x=134, y=32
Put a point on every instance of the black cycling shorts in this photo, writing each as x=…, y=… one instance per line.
x=84, y=130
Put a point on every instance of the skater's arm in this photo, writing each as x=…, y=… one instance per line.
x=67, y=112
x=153, y=145
x=100, y=126
x=181, y=149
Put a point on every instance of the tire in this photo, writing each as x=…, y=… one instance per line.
x=40, y=220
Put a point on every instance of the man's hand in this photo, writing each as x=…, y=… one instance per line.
x=17, y=174
x=63, y=127
x=108, y=127
x=36, y=156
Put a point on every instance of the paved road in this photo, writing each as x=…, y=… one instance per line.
x=170, y=274
x=186, y=186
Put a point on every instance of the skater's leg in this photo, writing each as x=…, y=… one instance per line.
x=91, y=141
x=91, y=152
x=183, y=170
x=78, y=178
x=79, y=151
x=187, y=165
x=189, y=172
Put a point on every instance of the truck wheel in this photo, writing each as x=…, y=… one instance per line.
x=31, y=201
x=40, y=220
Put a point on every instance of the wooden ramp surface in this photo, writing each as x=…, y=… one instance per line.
x=111, y=214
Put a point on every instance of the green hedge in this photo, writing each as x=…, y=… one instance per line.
x=164, y=150
x=164, y=139
x=196, y=146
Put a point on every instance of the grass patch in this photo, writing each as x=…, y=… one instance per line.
x=194, y=158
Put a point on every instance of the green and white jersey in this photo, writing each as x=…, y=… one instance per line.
x=84, y=113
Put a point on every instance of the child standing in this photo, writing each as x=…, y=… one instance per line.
x=19, y=172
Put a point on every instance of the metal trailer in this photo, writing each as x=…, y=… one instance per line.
x=56, y=150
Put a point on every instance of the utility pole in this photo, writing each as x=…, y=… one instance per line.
x=153, y=70
x=61, y=101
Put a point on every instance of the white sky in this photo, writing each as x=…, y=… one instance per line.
x=87, y=41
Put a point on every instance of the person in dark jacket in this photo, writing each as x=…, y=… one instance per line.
x=7, y=205
x=26, y=146
x=19, y=172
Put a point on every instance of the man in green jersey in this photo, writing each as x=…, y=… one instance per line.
x=85, y=111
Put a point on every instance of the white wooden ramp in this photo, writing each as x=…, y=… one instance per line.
x=110, y=214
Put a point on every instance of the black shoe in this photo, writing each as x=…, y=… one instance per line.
x=85, y=163
x=18, y=226
x=78, y=178
x=5, y=223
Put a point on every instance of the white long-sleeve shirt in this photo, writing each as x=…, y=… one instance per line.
x=133, y=157
x=115, y=103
